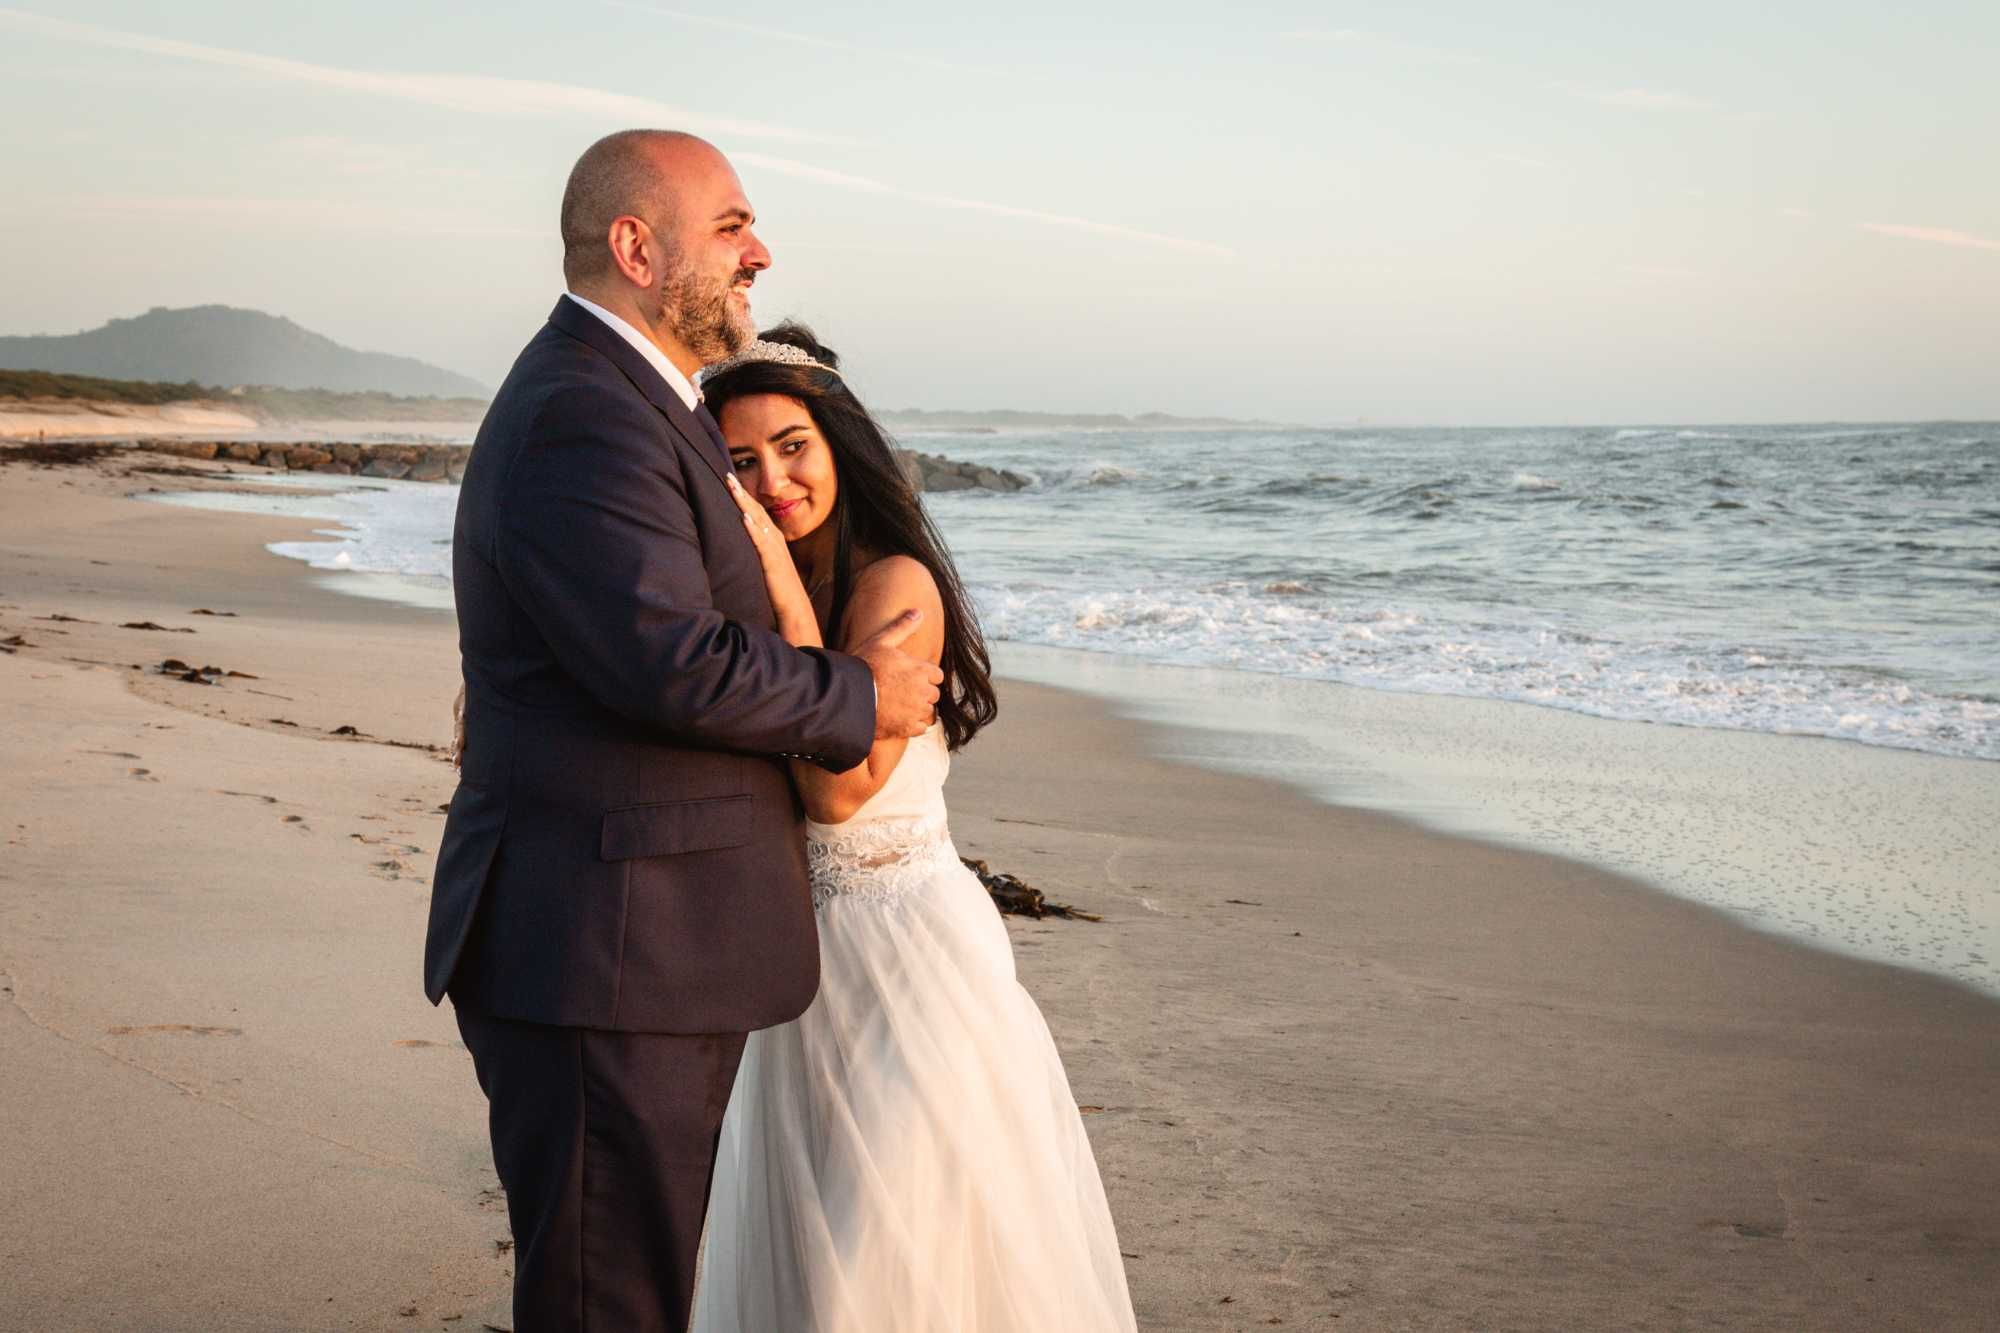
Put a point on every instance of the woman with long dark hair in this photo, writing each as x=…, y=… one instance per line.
x=906, y=1154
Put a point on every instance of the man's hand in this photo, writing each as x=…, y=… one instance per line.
x=906, y=687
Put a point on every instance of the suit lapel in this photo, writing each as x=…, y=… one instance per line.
x=587, y=328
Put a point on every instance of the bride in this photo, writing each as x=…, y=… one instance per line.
x=906, y=1154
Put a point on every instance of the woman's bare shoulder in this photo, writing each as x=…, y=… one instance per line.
x=884, y=589
x=895, y=576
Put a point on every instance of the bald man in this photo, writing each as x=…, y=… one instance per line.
x=621, y=892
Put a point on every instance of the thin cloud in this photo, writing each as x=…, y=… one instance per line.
x=1640, y=99
x=1935, y=235
x=484, y=95
x=477, y=93
x=803, y=39
x=1794, y=213
x=348, y=156
x=1519, y=160
x=336, y=214
x=842, y=180
x=1384, y=42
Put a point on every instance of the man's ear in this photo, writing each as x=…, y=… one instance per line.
x=635, y=251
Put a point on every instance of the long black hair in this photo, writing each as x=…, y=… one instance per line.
x=875, y=509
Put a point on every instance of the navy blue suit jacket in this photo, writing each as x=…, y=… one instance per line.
x=625, y=847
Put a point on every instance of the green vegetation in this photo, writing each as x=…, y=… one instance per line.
x=18, y=384
x=298, y=404
x=255, y=400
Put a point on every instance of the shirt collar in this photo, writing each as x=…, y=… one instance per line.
x=643, y=345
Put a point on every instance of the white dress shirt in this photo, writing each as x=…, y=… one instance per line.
x=643, y=345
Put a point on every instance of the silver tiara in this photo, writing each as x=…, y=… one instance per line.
x=783, y=354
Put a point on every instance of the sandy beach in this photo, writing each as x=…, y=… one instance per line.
x=1340, y=1070
x=34, y=420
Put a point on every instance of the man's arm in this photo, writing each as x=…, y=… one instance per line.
x=598, y=541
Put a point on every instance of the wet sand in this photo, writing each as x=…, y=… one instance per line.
x=1340, y=1070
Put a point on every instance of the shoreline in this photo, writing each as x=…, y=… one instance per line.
x=1346, y=1065
x=1870, y=849
x=1866, y=851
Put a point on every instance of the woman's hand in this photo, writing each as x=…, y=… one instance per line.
x=781, y=577
x=458, y=728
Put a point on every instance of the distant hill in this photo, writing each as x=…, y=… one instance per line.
x=917, y=419
x=219, y=344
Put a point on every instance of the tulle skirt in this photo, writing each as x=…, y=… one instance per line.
x=906, y=1157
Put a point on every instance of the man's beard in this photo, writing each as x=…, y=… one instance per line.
x=697, y=311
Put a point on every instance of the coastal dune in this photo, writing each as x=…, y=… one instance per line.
x=66, y=419
x=1338, y=1070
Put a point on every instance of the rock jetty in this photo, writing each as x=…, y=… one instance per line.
x=396, y=462
x=446, y=462
x=933, y=473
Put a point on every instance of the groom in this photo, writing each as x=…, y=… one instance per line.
x=621, y=891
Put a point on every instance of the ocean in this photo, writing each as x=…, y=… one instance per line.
x=1735, y=599
x=1837, y=581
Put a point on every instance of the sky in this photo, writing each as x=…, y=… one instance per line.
x=1454, y=213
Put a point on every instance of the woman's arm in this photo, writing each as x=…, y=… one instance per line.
x=883, y=592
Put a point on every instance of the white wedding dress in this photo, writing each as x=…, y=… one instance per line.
x=906, y=1157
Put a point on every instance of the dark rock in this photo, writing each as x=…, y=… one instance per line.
x=59, y=454
x=334, y=469
x=388, y=468
x=182, y=448
x=930, y=472
x=350, y=454
x=241, y=452
x=164, y=629
x=306, y=456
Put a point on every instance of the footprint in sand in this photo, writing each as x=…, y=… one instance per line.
x=179, y=1029
x=395, y=848
x=418, y=1043
x=143, y=774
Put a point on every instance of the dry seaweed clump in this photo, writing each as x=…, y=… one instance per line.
x=1015, y=897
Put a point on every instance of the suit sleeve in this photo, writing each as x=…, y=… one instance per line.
x=598, y=541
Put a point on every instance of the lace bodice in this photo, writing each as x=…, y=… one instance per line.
x=896, y=840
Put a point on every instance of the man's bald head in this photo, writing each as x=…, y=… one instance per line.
x=631, y=172
x=657, y=231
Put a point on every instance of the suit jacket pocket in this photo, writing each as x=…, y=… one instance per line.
x=632, y=831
